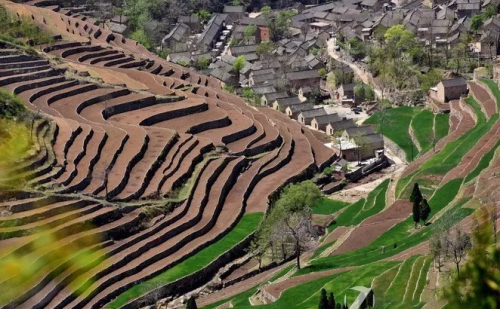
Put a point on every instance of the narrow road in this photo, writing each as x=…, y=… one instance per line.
x=364, y=76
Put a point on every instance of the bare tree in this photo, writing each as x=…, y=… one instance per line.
x=458, y=243
x=490, y=205
x=437, y=245
x=300, y=228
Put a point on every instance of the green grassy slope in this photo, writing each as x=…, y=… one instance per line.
x=396, y=128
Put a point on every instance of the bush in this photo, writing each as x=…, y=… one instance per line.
x=328, y=171
x=10, y=105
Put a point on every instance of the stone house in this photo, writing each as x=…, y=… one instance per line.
x=320, y=122
x=346, y=91
x=208, y=38
x=449, y=89
x=177, y=38
x=333, y=127
x=192, y=21
x=234, y=12
x=305, y=117
x=282, y=104
x=293, y=111
x=299, y=79
x=269, y=98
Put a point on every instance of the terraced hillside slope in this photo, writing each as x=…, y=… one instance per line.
x=144, y=171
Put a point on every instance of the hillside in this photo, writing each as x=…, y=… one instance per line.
x=146, y=178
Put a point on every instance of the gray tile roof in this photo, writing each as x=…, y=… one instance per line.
x=273, y=96
x=325, y=119
x=342, y=124
x=243, y=49
x=289, y=101
x=303, y=75
x=212, y=29
x=454, y=82
x=300, y=107
x=178, y=33
x=363, y=130
x=315, y=112
x=234, y=9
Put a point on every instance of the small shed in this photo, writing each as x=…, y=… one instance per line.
x=451, y=89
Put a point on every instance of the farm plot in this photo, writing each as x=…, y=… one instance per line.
x=396, y=126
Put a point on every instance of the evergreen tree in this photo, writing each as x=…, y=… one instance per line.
x=191, y=303
x=415, y=193
x=338, y=306
x=323, y=300
x=425, y=210
x=331, y=301
x=416, y=212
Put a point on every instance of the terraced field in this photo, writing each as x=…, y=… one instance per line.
x=146, y=174
x=146, y=179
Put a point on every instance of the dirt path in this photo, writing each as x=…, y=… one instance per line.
x=362, y=74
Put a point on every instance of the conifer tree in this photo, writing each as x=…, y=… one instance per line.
x=191, y=303
x=331, y=301
x=323, y=300
x=415, y=193
x=425, y=210
x=416, y=212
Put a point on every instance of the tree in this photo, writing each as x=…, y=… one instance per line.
x=416, y=211
x=322, y=72
x=437, y=246
x=288, y=224
x=331, y=301
x=204, y=15
x=415, y=193
x=265, y=52
x=425, y=210
x=458, y=244
x=202, y=63
x=238, y=65
x=280, y=25
x=191, y=303
x=359, y=92
x=249, y=32
x=478, y=284
x=383, y=107
x=323, y=300
x=476, y=22
x=430, y=79
x=369, y=93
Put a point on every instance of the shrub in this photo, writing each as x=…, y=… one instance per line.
x=10, y=105
x=328, y=171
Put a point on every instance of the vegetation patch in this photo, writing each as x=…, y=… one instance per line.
x=362, y=209
x=326, y=206
x=441, y=126
x=245, y=227
x=422, y=126
x=396, y=128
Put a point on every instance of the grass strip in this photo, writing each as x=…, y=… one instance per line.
x=422, y=126
x=326, y=206
x=441, y=126
x=483, y=163
x=247, y=224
